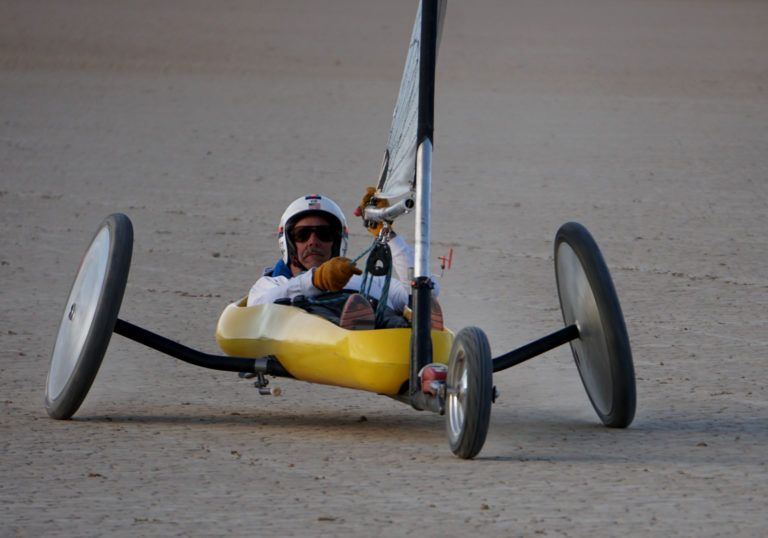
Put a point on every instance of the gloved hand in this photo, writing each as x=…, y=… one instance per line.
x=334, y=274
x=369, y=192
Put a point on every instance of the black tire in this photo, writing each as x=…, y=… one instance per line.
x=469, y=392
x=89, y=317
x=588, y=299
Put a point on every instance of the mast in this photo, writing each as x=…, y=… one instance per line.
x=424, y=135
x=421, y=336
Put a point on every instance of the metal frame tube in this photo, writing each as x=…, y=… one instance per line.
x=542, y=345
x=390, y=213
x=266, y=365
x=421, y=286
x=423, y=197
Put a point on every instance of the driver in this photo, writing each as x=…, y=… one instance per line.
x=312, y=235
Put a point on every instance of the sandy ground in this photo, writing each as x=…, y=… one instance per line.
x=644, y=120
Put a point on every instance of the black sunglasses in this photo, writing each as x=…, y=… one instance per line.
x=301, y=234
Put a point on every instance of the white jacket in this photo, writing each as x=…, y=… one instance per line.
x=270, y=288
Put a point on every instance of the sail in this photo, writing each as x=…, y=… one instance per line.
x=413, y=117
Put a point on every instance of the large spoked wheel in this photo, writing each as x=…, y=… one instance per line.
x=89, y=317
x=588, y=300
x=469, y=392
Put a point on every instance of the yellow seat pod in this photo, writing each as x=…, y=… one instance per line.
x=313, y=349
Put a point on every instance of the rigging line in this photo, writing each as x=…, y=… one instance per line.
x=381, y=307
x=362, y=286
x=363, y=253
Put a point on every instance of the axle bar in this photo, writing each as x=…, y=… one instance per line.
x=266, y=365
x=542, y=345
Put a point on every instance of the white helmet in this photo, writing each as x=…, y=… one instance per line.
x=304, y=207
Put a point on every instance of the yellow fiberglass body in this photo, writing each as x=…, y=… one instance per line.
x=313, y=349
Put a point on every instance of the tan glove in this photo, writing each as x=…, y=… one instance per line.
x=369, y=192
x=334, y=274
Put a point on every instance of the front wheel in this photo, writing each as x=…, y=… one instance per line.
x=469, y=392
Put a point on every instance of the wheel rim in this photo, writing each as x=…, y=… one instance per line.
x=79, y=313
x=457, y=395
x=579, y=306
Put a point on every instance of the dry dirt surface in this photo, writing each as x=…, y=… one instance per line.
x=643, y=120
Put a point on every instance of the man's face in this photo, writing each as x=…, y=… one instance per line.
x=312, y=248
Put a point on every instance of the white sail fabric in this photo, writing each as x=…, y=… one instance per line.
x=398, y=172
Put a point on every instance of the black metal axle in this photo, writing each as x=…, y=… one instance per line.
x=542, y=345
x=269, y=364
x=265, y=365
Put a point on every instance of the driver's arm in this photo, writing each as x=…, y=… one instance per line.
x=403, y=260
x=269, y=289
